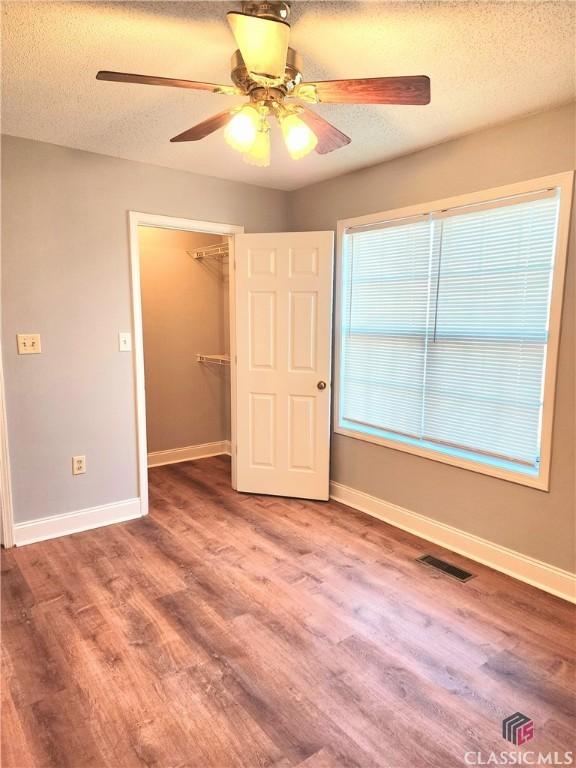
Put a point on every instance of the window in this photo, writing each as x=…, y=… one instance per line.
x=446, y=339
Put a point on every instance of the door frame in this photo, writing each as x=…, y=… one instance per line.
x=136, y=219
x=6, y=506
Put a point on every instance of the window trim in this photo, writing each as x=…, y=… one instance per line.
x=564, y=183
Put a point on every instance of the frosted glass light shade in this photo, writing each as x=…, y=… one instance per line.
x=241, y=131
x=259, y=153
x=300, y=140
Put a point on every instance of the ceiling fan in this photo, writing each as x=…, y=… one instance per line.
x=268, y=71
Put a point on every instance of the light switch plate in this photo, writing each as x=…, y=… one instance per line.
x=29, y=343
x=125, y=342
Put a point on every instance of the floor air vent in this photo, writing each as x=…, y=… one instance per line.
x=447, y=568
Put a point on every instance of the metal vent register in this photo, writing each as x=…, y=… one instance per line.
x=450, y=570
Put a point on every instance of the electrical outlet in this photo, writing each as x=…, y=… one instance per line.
x=28, y=343
x=78, y=465
x=125, y=342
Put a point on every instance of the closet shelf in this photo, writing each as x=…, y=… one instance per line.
x=219, y=251
x=215, y=359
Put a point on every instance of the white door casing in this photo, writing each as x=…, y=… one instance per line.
x=135, y=220
x=283, y=319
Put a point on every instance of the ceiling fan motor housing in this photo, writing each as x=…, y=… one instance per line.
x=292, y=75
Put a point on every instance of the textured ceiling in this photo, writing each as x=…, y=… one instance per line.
x=488, y=61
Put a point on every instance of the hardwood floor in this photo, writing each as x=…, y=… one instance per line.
x=233, y=630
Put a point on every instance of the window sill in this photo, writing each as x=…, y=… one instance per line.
x=539, y=481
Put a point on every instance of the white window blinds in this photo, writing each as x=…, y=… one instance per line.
x=444, y=329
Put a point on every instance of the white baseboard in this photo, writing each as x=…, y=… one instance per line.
x=159, y=458
x=76, y=522
x=535, y=572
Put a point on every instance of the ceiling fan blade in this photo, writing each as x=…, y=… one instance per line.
x=205, y=128
x=329, y=137
x=125, y=77
x=263, y=44
x=413, y=89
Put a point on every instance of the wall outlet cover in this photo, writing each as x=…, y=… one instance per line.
x=78, y=465
x=29, y=343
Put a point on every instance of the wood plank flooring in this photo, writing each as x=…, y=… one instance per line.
x=230, y=630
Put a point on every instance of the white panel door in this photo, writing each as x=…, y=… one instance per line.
x=283, y=324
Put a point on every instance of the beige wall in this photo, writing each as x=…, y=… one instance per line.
x=65, y=275
x=538, y=524
x=185, y=311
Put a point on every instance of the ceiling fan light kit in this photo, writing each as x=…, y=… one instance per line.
x=248, y=132
x=268, y=72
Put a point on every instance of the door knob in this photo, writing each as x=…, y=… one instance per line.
x=321, y=385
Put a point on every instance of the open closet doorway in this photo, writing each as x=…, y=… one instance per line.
x=181, y=306
x=185, y=324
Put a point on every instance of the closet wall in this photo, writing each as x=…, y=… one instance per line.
x=185, y=312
